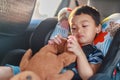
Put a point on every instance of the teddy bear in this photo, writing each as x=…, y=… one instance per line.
x=47, y=63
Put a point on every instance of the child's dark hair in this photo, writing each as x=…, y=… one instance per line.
x=86, y=10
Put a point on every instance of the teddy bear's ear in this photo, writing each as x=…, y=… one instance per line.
x=25, y=59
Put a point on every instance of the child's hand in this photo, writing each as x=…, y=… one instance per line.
x=56, y=40
x=73, y=45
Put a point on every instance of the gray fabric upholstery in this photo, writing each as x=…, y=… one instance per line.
x=106, y=7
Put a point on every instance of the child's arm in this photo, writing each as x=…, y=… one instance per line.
x=6, y=73
x=84, y=68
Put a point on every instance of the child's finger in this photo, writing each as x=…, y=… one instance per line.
x=51, y=42
x=69, y=41
x=57, y=39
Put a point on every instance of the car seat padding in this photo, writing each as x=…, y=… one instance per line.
x=41, y=34
x=112, y=56
x=111, y=59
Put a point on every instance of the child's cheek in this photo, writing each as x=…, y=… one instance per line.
x=74, y=33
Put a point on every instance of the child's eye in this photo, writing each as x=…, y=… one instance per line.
x=73, y=28
x=84, y=25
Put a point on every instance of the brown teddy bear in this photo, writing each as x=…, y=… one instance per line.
x=47, y=63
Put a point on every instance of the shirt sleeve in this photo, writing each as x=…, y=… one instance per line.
x=96, y=57
x=15, y=69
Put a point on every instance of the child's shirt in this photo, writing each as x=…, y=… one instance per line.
x=15, y=69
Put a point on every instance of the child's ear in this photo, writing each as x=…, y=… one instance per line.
x=98, y=28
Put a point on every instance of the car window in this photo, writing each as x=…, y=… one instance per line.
x=45, y=9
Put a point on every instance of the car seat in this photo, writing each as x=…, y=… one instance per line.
x=38, y=39
x=106, y=8
x=111, y=28
x=41, y=34
x=110, y=61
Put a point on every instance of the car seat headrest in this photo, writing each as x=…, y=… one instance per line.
x=41, y=34
x=109, y=28
x=106, y=7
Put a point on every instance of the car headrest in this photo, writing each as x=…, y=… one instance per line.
x=41, y=34
x=106, y=7
x=109, y=27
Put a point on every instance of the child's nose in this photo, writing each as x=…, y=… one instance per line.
x=80, y=30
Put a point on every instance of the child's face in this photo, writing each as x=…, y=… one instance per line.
x=84, y=28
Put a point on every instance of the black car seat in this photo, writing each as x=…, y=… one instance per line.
x=41, y=34
x=13, y=57
x=38, y=39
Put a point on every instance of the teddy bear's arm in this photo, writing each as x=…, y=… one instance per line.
x=67, y=58
x=25, y=59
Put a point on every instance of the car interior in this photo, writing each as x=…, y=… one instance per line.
x=14, y=22
x=17, y=33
